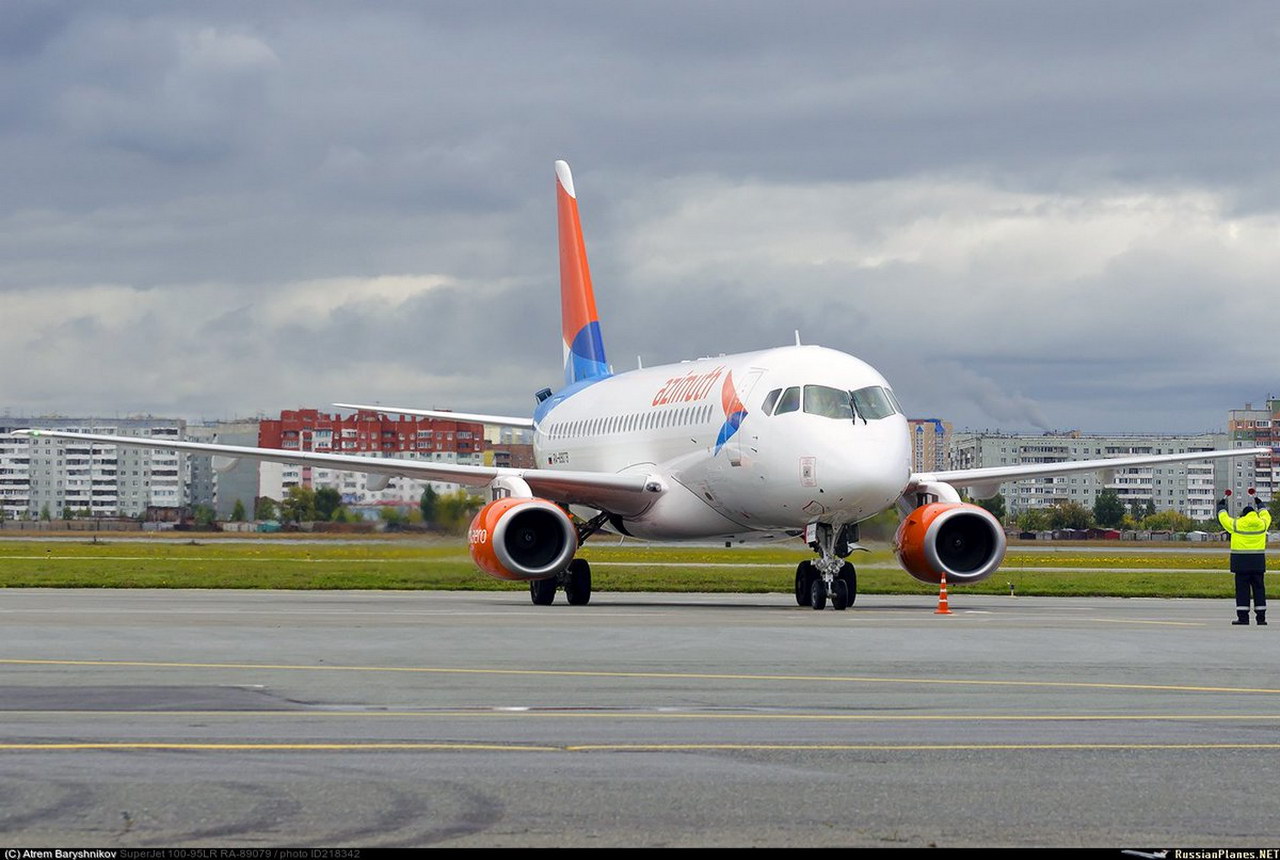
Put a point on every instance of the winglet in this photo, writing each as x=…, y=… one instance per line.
x=584, y=356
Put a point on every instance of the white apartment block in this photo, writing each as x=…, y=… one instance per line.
x=15, y=477
x=1189, y=488
x=54, y=475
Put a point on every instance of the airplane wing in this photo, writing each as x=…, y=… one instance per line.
x=500, y=420
x=623, y=494
x=985, y=482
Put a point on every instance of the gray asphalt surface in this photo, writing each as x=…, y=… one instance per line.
x=215, y=718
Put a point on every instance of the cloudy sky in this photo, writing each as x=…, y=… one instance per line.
x=1026, y=215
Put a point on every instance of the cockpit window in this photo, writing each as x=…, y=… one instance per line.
x=827, y=402
x=873, y=402
x=789, y=402
x=769, y=400
x=893, y=398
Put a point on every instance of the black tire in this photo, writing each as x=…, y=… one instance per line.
x=577, y=586
x=804, y=578
x=542, y=591
x=818, y=593
x=849, y=577
x=839, y=594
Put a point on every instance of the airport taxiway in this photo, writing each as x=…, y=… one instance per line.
x=216, y=718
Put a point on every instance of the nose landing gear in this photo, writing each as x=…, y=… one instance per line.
x=829, y=577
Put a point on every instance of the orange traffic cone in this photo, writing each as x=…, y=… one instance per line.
x=942, y=609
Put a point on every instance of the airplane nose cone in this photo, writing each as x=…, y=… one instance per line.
x=875, y=468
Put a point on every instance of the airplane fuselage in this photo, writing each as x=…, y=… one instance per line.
x=754, y=444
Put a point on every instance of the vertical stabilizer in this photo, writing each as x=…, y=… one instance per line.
x=583, y=346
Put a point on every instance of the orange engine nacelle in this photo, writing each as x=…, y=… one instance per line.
x=962, y=540
x=522, y=539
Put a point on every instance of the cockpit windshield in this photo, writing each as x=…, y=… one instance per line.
x=827, y=402
x=874, y=402
x=869, y=404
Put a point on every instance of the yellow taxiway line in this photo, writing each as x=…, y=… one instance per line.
x=651, y=715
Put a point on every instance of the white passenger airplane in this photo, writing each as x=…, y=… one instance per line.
x=787, y=442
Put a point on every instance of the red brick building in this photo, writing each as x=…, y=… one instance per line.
x=367, y=431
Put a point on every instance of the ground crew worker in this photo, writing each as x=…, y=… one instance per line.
x=1248, y=556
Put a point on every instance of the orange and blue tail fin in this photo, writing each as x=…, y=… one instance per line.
x=583, y=346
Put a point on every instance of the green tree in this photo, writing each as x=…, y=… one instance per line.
x=1108, y=510
x=454, y=511
x=342, y=515
x=45, y=515
x=428, y=504
x=67, y=513
x=238, y=512
x=265, y=508
x=298, y=505
x=1033, y=520
x=1150, y=510
x=1070, y=515
x=1274, y=507
x=1168, y=521
x=328, y=500
x=882, y=526
x=204, y=516
x=394, y=519
x=994, y=506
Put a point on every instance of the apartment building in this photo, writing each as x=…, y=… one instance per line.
x=930, y=443
x=39, y=475
x=1190, y=488
x=1250, y=427
x=366, y=434
x=221, y=488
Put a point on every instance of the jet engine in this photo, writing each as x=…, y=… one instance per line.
x=962, y=540
x=522, y=538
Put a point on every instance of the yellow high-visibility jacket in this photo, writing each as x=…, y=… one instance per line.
x=1248, y=539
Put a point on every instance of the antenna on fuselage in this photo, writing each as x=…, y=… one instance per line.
x=639, y=363
x=797, y=337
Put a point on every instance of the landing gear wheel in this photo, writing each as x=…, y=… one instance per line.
x=577, y=586
x=542, y=591
x=804, y=579
x=818, y=593
x=849, y=577
x=839, y=594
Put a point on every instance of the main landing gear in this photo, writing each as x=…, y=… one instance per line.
x=829, y=577
x=574, y=579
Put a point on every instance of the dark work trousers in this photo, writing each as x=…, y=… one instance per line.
x=1250, y=585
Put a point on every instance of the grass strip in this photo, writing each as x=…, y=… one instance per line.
x=445, y=564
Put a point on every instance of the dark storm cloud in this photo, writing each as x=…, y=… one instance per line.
x=913, y=182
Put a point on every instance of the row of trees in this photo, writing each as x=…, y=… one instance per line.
x=1109, y=511
x=451, y=512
